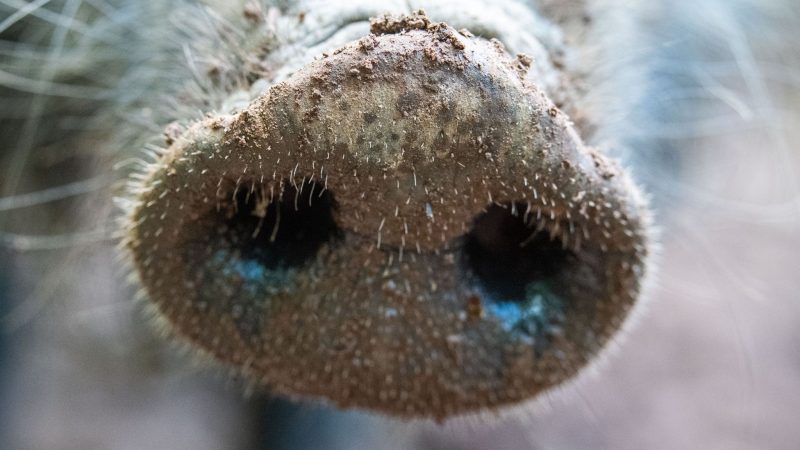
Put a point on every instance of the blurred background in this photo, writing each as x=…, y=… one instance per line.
x=713, y=361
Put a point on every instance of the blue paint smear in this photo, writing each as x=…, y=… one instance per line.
x=256, y=278
x=532, y=317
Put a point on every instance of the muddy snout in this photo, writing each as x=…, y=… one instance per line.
x=407, y=225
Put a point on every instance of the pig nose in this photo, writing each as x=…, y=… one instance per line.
x=407, y=225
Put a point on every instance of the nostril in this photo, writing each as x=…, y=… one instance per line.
x=506, y=252
x=259, y=238
x=519, y=270
x=253, y=246
x=284, y=231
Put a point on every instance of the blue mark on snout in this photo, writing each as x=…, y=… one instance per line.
x=252, y=274
x=241, y=288
x=534, y=318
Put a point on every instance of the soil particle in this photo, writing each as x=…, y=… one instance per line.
x=524, y=60
x=388, y=24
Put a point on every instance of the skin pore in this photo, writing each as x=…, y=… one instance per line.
x=229, y=59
